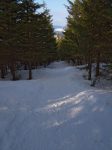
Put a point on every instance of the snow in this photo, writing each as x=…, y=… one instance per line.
x=58, y=110
x=59, y=30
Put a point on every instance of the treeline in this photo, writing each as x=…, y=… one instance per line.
x=88, y=36
x=26, y=36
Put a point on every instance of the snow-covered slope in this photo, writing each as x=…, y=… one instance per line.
x=59, y=30
x=56, y=111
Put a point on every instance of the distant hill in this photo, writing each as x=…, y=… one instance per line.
x=59, y=31
x=57, y=26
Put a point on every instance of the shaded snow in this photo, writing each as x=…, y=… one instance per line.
x=56, y=111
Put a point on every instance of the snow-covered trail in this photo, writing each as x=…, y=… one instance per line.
x=58, y=110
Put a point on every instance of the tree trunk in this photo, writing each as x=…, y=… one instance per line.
x=25, y=66
x=30, y=71
x=89, y=68
x=2, y=72
x=98, y=64
x=13, y=72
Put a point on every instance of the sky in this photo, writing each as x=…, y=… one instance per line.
x=57, y=10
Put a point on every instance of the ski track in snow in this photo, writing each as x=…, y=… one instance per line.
x=58, y=110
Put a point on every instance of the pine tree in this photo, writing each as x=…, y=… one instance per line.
x=26, y=35
x=89, y=28
x=48, y=42
x=8, y=12
x=27, y=21
x=98, y=21
x=36, y=35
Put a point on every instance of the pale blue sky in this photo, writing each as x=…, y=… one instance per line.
x=57, y=10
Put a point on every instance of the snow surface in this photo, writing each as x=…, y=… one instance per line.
x=58, y=110
x=59, y=30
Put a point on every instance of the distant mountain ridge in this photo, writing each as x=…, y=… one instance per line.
x=57, y=26
x=58, y=29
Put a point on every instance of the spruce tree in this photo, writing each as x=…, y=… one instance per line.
x=48, y=42
x=27, y=21
x=89, y=29
x=8, y=16
x=37, y=41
